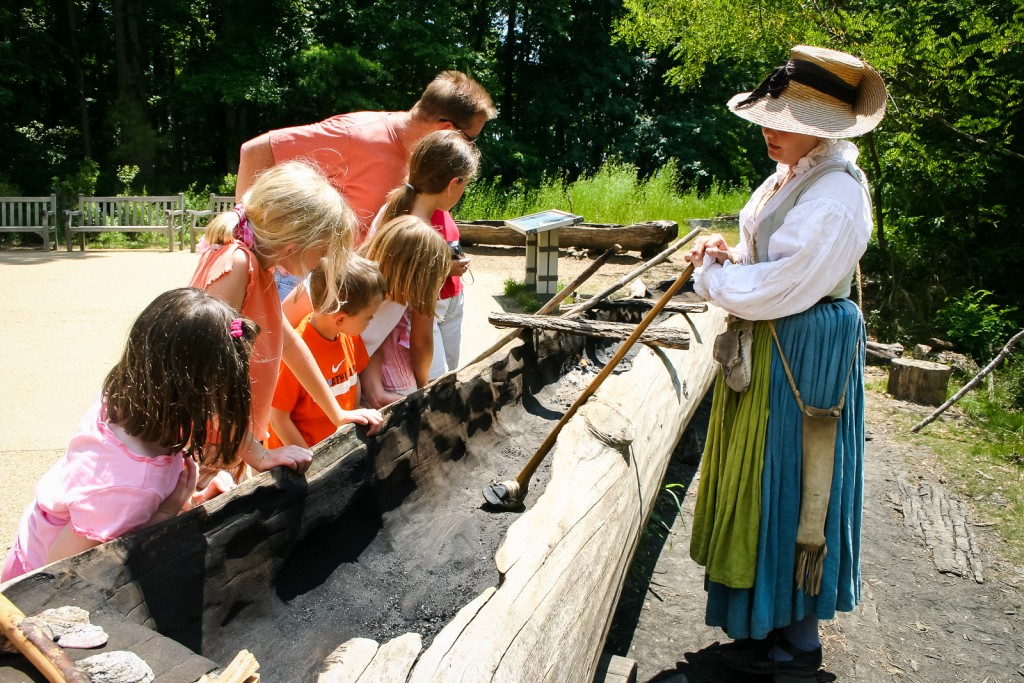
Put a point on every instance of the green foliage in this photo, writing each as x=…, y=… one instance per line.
x=525, y=298
x=613, y=194
x=126, y=176
x=82, y=180
x=979, y=328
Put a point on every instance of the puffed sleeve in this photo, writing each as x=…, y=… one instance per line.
x=105, y=514
x=818, y=244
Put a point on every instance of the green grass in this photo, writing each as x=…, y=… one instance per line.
x=614, y=194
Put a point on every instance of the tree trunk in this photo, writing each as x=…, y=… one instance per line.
x=918, y=381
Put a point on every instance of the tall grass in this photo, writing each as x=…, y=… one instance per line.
x=614, y=194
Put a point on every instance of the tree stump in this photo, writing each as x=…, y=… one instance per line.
x=918, y=381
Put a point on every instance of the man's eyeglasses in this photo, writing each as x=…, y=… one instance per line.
x=469, y=138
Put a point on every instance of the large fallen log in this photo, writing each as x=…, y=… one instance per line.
x=647, y=238
x=384, y=540
x=666, y=337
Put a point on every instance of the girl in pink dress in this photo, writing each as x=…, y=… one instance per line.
x=179, y=397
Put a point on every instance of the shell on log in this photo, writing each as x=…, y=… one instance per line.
x=83, y=637
x=117, y=666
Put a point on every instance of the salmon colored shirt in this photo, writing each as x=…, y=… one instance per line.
x=262, y=305
x=340, y=360
x=360, y=153
x=100, y=487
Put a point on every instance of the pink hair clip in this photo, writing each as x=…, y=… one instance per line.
x=236, y=328
x=243, y=231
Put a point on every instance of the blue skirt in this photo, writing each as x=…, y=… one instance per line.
x=820, y=345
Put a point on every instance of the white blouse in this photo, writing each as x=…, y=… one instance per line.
x=819, y=243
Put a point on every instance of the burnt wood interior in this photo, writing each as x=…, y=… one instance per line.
x=383, y=535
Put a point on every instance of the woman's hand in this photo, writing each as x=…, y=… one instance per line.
x=713, y=245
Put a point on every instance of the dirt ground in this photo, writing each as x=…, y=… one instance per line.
x=66, y=317
x=913, y=624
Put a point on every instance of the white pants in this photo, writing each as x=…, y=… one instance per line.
x=447, y=334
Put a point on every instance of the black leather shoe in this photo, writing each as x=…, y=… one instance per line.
x=804, y=665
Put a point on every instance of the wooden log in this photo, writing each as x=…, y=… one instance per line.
x=393, y=660
x=666, y=337
x=918, y=381
x=615, y=669
x=882, y=354
x=564, y=560
x=348, y=661
x=647, y=238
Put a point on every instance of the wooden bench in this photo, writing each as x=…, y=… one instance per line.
x=219, y=203
x=30, y=214
x=126, y=214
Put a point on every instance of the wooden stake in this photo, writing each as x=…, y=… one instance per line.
x=1007, y=349
x=44, y=654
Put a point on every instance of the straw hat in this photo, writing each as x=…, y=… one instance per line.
x=820, y=92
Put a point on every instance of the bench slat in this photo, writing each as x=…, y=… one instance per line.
x=128, y=214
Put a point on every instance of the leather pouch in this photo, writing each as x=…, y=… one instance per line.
x=733, y=350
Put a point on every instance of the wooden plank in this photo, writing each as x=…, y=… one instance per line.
x=665, y=337
x=614, y=669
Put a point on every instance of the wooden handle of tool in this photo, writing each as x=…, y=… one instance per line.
x=637, y=272
x=523, y=478
x=45, y=655
x=558, y=298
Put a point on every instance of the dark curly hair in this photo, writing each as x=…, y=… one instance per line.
x=183, y=380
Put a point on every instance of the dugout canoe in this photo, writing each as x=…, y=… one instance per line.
x=383, y=563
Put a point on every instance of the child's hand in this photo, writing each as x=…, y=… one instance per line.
x=182, y=492
x=365, y=416
x=458, y=267
x=222, y=482
x=294, y=457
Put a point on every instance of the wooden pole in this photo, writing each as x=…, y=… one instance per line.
x=45, y=655
x=1007, y=349
x=524, y=476
x=558, y=298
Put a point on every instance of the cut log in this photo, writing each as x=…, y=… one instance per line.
x=647, y=238
x=918, y=381
x=883, y=354
x=666, y=337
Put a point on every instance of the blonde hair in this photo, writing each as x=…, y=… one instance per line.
x=454, y=96
x=436, y=159
x=293, y=203
x=414, y=259
x=361, y=282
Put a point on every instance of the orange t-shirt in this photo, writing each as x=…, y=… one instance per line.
x=340, y=360
x=262, y=305
x=360, y=154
